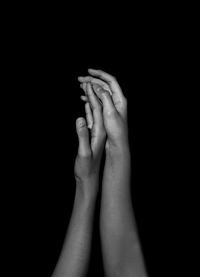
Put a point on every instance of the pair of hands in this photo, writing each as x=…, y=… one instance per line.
x=106, y=118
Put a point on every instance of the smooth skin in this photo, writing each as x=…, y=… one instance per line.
x=121, y=248
x=74, y=257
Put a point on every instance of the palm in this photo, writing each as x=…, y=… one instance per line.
x=114, y=104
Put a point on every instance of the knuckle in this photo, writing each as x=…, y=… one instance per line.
x=111, y=76
x=97, y=107
x=114, y=79
x=111, y=113
x=89, y=79
x=85, y=155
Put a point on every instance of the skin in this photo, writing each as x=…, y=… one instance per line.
x=114, y=108
x=121, y=249
x=74, y=257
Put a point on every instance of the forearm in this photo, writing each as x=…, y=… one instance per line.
x=74, y=256
x=116, y=195
x=121, y=247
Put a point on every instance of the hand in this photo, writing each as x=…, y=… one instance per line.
x=87, y=163
x=114, y=106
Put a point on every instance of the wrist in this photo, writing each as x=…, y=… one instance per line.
x=117, y=149
x=84, y=205
x=87, y=189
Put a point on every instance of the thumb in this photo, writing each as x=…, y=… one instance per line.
x=83, y=137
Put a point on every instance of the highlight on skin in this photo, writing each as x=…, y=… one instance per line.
x=106, y=121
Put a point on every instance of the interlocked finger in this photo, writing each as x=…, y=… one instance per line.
x=96, y=81
x=118, y=97
x=89, y=116
x=95, y=105
x=110, y=80
x=106, y=98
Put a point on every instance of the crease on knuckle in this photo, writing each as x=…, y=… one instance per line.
x=97, y=107
x=85, y=155
x=88, y=79
x=110, y=113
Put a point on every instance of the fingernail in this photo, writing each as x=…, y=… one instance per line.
x=81, y=122
x=97, y=87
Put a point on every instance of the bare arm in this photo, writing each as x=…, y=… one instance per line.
x=121, y=246
x=120, y=243
x=74, y=257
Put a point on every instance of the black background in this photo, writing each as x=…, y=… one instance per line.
x=42, y=101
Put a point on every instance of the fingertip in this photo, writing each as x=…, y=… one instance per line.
x=82, y=85
x=84, y=98
x=83, y=137
x=80, y=78
x=80, y=120
x=80, y=123
x=97, y=88
x=91, y=70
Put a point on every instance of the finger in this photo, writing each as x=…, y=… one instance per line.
x=98, y=91
x=98, y=132
x=111, y=81
x=84, y=98
x=83, y=86
x=106, y=98
x=92, y=97
x=89, y=115
x=92, y=80
x=83, y=137
x=95, y=105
